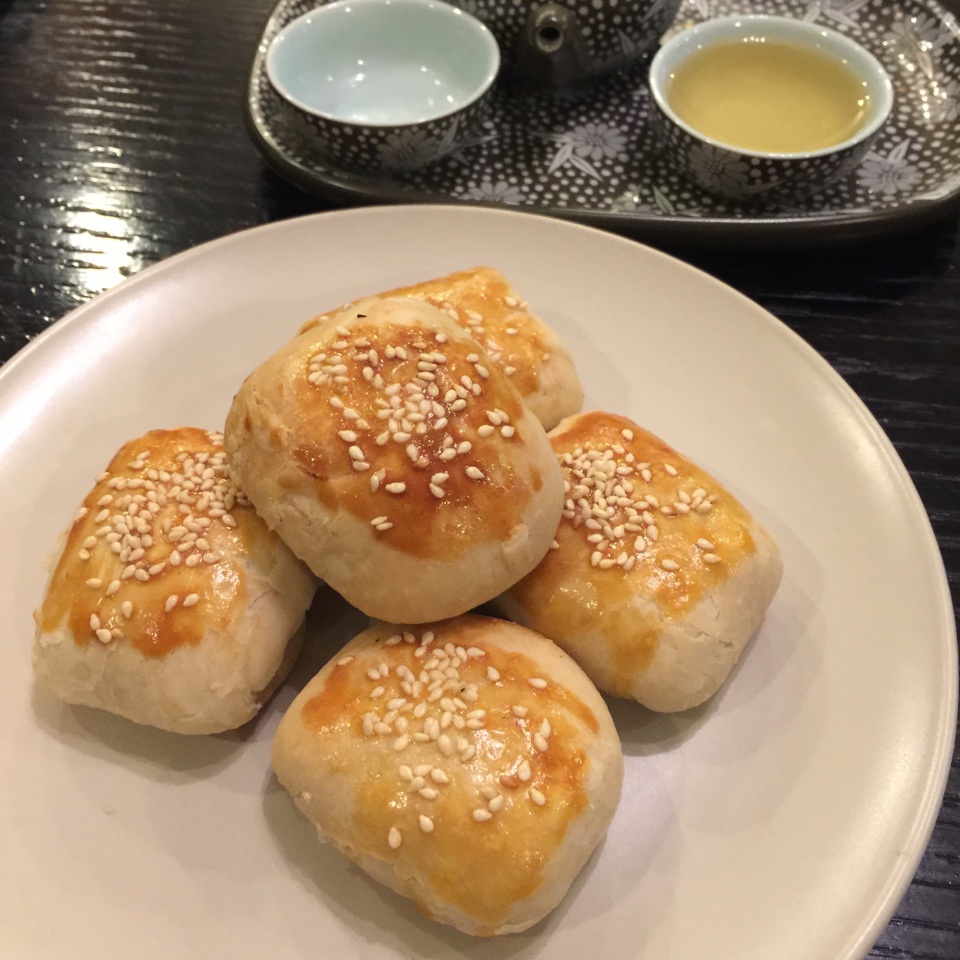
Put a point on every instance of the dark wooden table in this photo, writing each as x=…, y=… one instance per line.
x=122, y=142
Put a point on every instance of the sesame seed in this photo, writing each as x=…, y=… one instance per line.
x=536, y=796
x=485, y=430
x=394, y=838
x=482, y=814
x=670, y=565
x=426, y=824
x=711, y=558
x=171, y=602
x=126, y=608
x=104, y=635
x=537, y=682
x=191, y=599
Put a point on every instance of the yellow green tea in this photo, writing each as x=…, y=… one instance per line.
x=769, y=97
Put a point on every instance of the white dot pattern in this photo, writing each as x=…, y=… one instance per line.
x=592, y=150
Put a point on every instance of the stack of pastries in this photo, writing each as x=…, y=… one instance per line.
x=397, y=448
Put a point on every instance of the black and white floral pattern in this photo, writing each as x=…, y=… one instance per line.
x=591, y=149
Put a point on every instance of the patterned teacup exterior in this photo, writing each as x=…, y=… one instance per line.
x=725, y=172
x=385, y=149
x=558, y=42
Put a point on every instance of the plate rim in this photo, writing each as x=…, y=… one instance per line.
x=942, y=747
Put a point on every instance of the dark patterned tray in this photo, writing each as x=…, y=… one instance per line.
x=586, y=154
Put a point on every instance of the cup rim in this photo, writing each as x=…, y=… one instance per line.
x=479, y=28
x=716, y=30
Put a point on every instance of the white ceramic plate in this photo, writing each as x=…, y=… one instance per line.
x=783, y=820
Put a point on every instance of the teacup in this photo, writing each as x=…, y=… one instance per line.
x=744, y=170
x=383, y=85
x=561, y=41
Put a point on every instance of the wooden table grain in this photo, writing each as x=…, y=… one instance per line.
x=122, y=142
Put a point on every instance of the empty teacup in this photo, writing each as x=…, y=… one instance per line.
x=384, y=85
x=561, y=41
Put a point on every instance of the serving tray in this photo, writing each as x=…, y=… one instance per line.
x=587, y=154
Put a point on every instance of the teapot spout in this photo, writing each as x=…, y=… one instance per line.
x=550, y=50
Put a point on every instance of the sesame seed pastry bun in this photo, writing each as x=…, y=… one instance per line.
x=517, y=341
x=401, y=467
x=468, y=765
x=658, y=576
x=172, y=603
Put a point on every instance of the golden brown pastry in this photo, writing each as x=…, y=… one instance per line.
x=406, y=473
x=468, y=765
x=517, y=341
x=171, y=604
x=658, y=576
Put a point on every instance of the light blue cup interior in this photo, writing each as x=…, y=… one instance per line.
x=383, y=62
x=738, y=28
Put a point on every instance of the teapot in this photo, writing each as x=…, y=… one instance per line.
x=561, y=41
